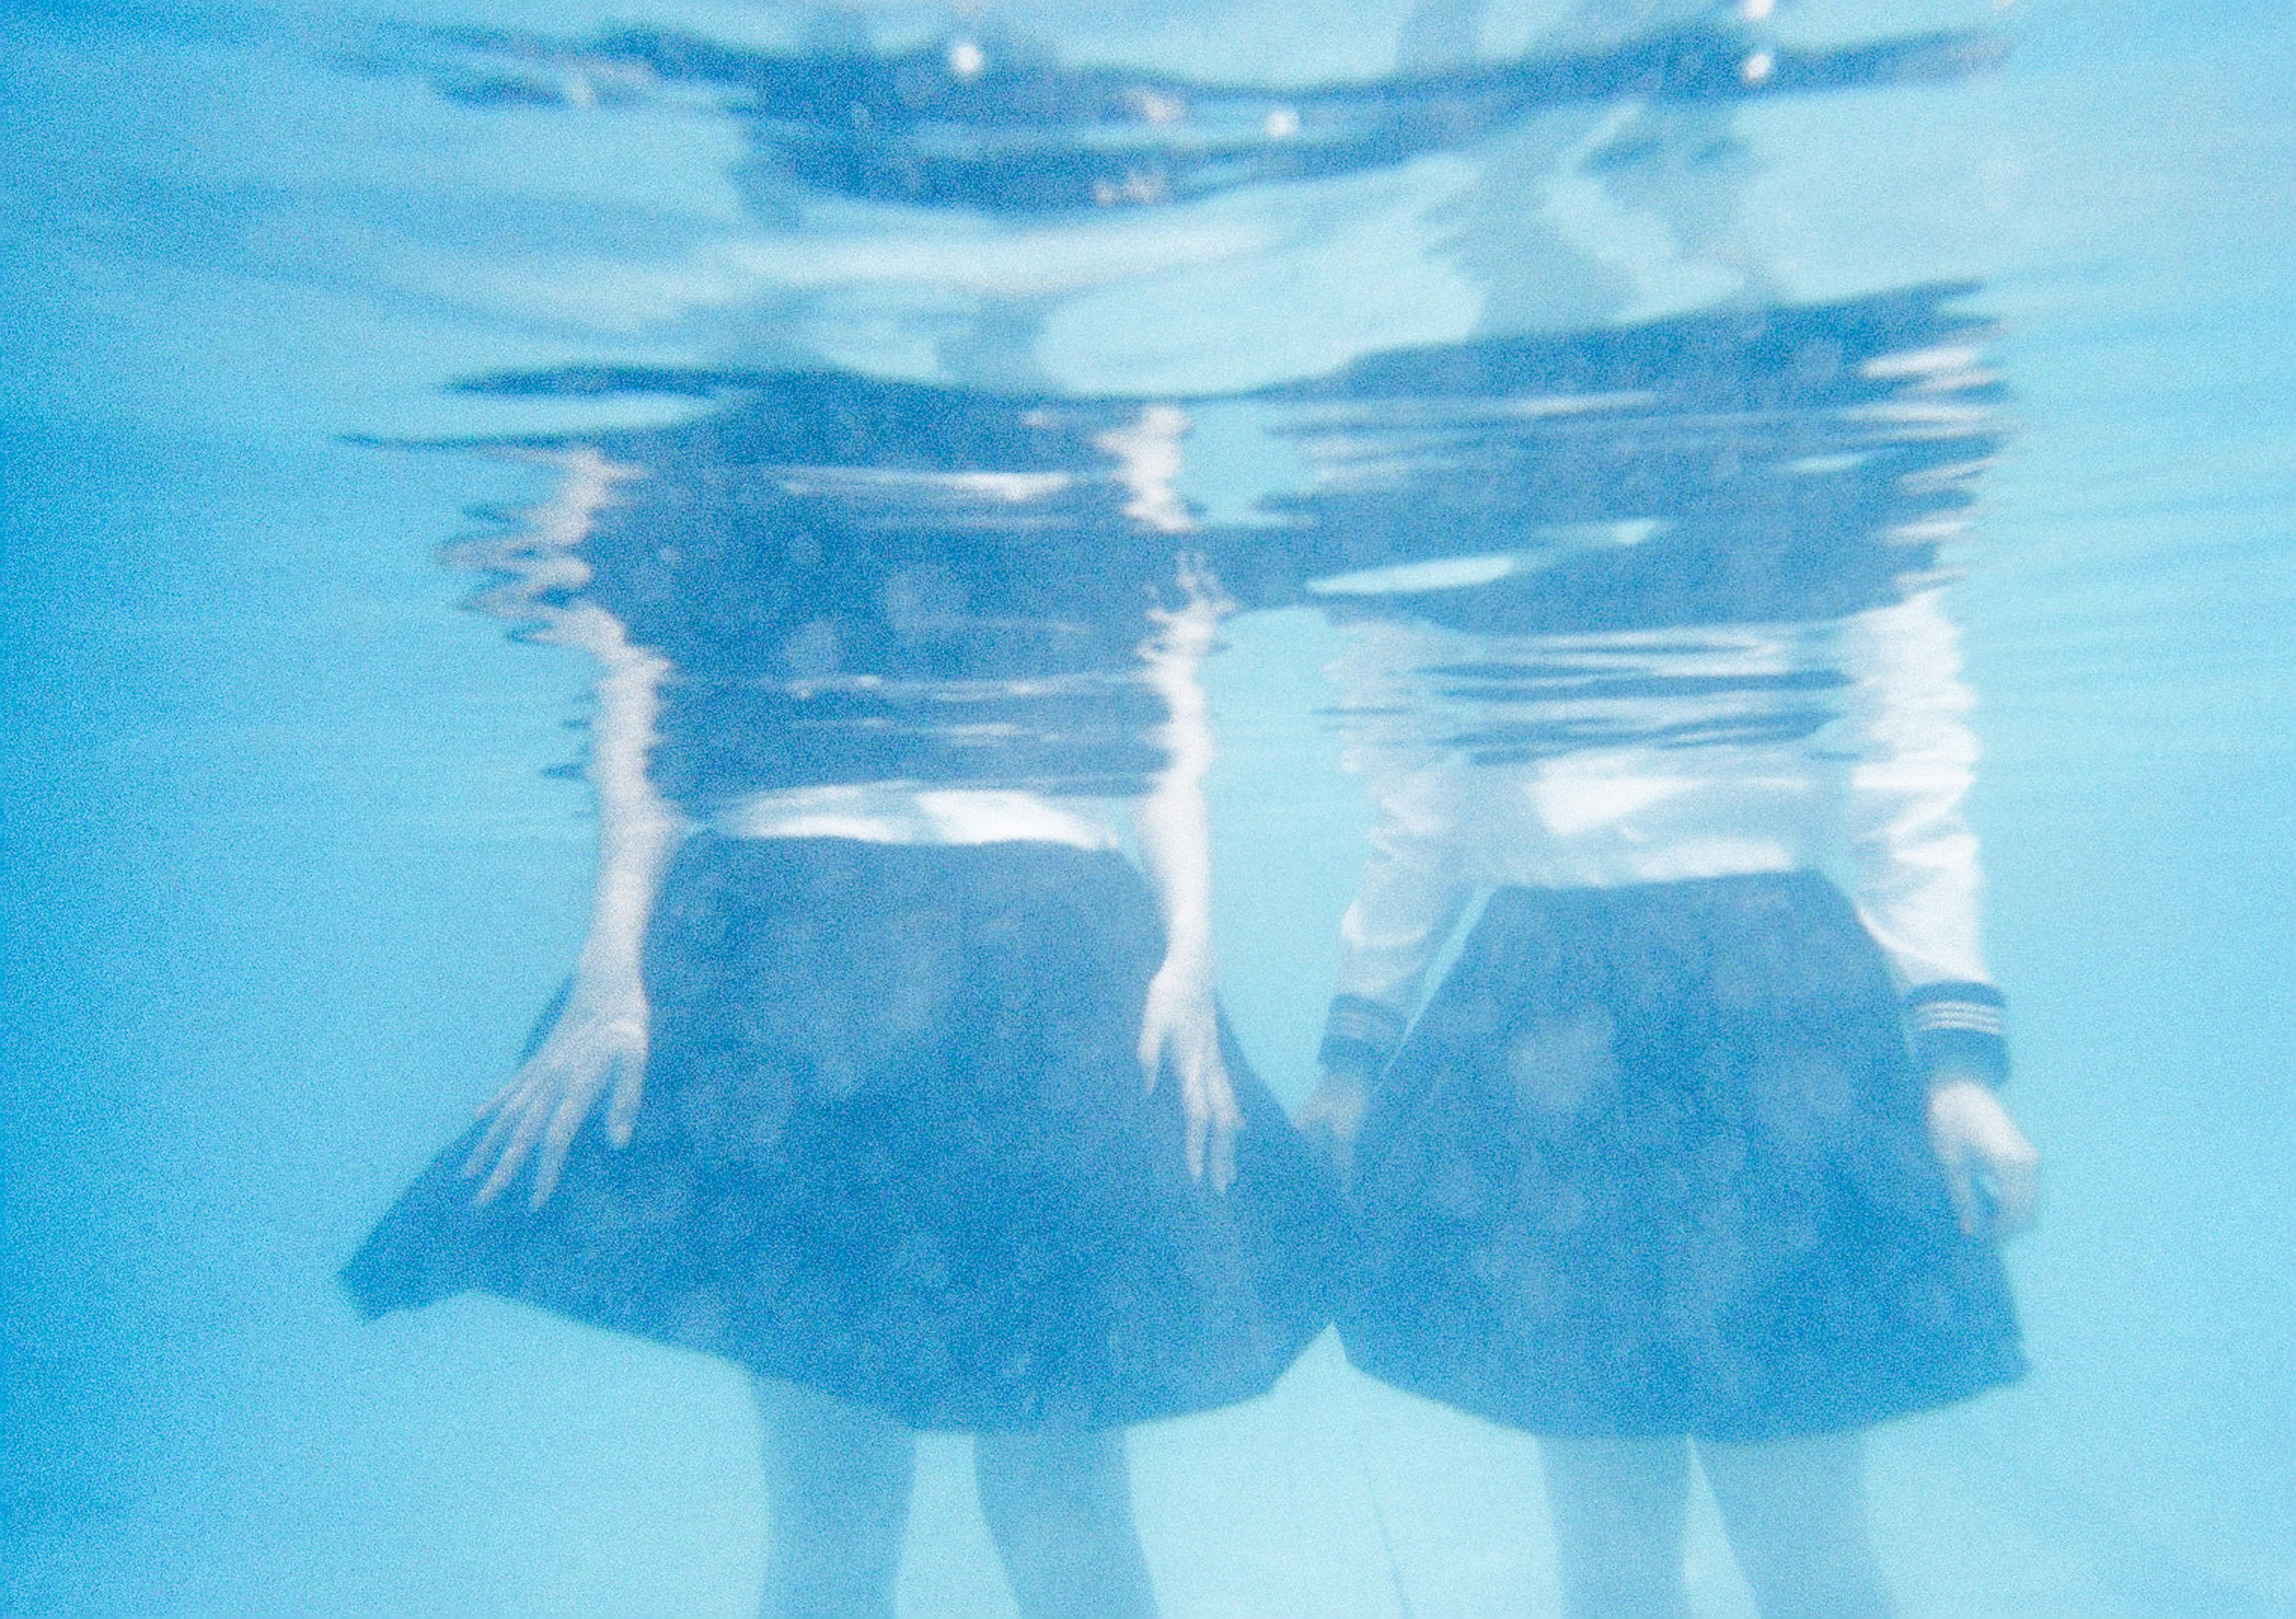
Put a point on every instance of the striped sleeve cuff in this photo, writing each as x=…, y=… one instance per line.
x=1957, y=1028
x=1360, y=1034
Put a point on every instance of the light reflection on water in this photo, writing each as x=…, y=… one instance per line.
x=1364, y=357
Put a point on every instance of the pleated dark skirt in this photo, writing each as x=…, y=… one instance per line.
x=1653, y=1162
x=895, y=1145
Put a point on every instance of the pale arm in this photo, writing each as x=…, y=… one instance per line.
x=1408, y=900
x=1174, y=829
x=600, y=1036
x=1919, y=891
x=1917, y=880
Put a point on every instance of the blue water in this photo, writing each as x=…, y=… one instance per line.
x=286, y=877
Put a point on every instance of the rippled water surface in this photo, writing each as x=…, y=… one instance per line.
x=1554, y=372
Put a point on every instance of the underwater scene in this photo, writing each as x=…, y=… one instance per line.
x=1419, y=808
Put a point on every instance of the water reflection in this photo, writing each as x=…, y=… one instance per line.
x=1003, y=127
x=860, y=580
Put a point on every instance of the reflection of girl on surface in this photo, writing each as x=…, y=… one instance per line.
x=1654, y=1168
x=917, y=1109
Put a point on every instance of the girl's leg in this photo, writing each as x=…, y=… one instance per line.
x=1620, y=1508
x=837, y=1485
x=1795, y=1511
x=1059, y=1507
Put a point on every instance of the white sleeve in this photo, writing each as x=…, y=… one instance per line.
x=1916, y=879
x=1414, y=884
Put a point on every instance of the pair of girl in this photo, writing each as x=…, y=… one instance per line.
x=907, y=1091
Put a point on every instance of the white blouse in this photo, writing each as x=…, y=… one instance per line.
x=1658, y=756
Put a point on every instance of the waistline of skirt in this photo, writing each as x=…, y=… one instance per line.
x=906, y=812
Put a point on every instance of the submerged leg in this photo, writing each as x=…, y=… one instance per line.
x=1059, y=1507
x=1619, y=1508
x=1795, y=1511
x=837, y=1484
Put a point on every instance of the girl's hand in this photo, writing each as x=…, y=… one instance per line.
x=1333, y=1117
x=1986, y=1158
x=1182, y=1022
x=600, y=1037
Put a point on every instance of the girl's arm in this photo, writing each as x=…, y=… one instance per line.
x=1918, y=890
x=1174, y=828
x=601, y=1036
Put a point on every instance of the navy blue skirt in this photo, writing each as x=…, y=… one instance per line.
x=895, y=1145
x=1653, y=1162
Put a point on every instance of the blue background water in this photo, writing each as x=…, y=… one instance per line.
x=285, y=883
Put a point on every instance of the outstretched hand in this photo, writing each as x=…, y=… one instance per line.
x=600, y=1038
x=1986, y=1158
x=1183, y=1023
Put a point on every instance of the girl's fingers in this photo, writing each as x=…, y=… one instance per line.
x=1224, y=1156
x=1228, y=1121
x=1963, y=1191
x=2016, y=1192
x=544, y=1104
x=1209, y=1102
x=506, y=1120
x=629, y=1089
x=513, y=1157
x=557, y=1140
